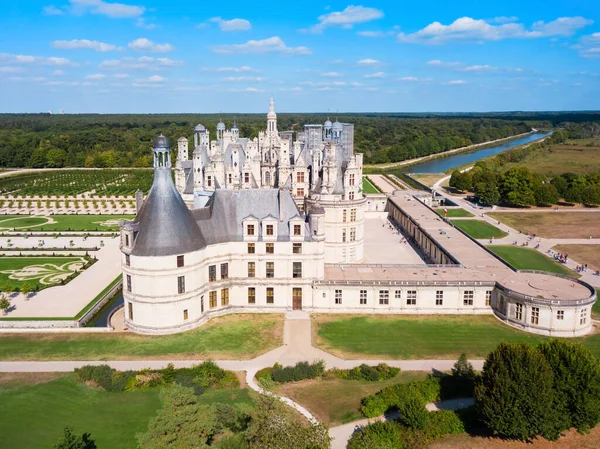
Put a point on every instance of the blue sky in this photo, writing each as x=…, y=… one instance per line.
x=180, y=56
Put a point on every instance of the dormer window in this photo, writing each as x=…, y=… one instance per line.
x=246, y=177
x=127, y=240
x=352, y=180
x=209, y=181
x=297, y=229
x=300, y=176
x=250, y=229
x=269, y=229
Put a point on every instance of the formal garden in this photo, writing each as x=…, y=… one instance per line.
x=43, y=223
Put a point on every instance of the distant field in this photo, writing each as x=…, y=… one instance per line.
x=369, y=187
x=560, y=225
x=529, y=259
x=430, y=179
x=61, y=222
x=454, y=213
x=479, y=229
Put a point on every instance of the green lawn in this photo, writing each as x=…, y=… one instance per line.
x=368, y=186
x=419, y=337
x=479, y=229
x=231, y=337
x=37, y=271
x=35, y=415
x=529, y=259
x=454, y=213
x=61, y=222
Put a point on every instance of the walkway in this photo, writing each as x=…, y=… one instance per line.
x=383, y=184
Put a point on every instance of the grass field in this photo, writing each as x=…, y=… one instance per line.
x=231, y=337
x=337, y=401
x=429, y=179
x=37, y=271
x=583, y=254
x=579, y=159
x=418, y=337
x=479, y=229
x=368, y=186
x=558, y=225
x=529, y=259
x=454, y=213
x=61, y=222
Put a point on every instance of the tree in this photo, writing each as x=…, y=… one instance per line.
x=4, y=303
x=463, y=368
x=72, y=441
x=546, y=194
x=577, y=383
x=56, y=158
x=26, y=289
x=561, y=184
x=461, y=180
x=515, y=397
x=590, y=195
x=487, y=193
x=516, y=187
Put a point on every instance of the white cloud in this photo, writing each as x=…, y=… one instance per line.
x=252, y=89
x=121, y=76
x=368, y=61
x=589, y=46
x=479, y=68
x=58, y=72
x=113, y=10
x=375, y=33
x=243, y=78
x=232, y=25
x=53, y=11
x=456, y=82
x=331, y=74
x=141, y=63
x=146, y=45
x=462, y=67
x=409, y=79
x=375, y=75
x=151, y=79
x=141, y=23
x=504, y=19
x=9, y=69
x=95, y=76
x=84, y=44
x=346, y=18
x=36, y=60
x=243, y=68
x=467, y=28
x=271, y=45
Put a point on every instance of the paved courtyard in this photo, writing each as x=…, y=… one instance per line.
x=384, y=245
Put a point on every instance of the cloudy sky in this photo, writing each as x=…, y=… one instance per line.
x=181, y=56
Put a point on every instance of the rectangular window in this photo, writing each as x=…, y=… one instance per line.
x=130, y=311
x=439, y=297
x=212, y=273
x=411, y=297
x=351, y=195
x=250, y=229
x=185, y=314
x=209, y=181
x=212, y=299
x=224, y=271
x=338, y=296
x=270, y=248
x=352, y=179
x=297, y=270
x=269, y=229
x=297, y=229
x=201, y=304
x=251, y=269
x=344, y=215
x=468, y=298
x=270, y=269
x=251, y=295
x=560, y=314
x=127, y=260
x=180, y=261
x=300, y=176
x=246, y=177
x=270, y=295
x=343, y=235
x=297, y=248
x=126, y=239
x=129, y=283
x=352, y=234
x=181, y=284
x=300, y=191
x=363, y=297
x=535, y=315
x=488, y=297
x=398, y=294
x=224, y=296
x=352, y=214
x=229, y=178
x=519, y=312
x=251, y=248
x=583, y=316
x=384, y=297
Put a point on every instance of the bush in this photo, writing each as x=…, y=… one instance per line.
x=209, y=374
x=443, y=422
x=386, y=435
x=233, y=442
x=301, y=371
x=367, y=372
x=101, y=375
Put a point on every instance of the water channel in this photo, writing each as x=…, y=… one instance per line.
x=456, y=160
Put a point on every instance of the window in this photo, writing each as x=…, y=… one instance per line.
x=352, y=234
x=130, y=310
x=351, y=195
x=209, y=181
x=363, y=297
x=384, y=297
x=224, y=271
x=180, y=261
x=251, y=295
x=297, y=270
x=352, y=179
x=468, y=298
x=251, y=269
x=535, y=315
x=297, y=297
x=439, y=298
x=126, y=239
x=297, y=248
x=246, y=177
x=411, y=297
x=269, y=229
x=343, y=235
x=300, y=176
x=212, y=273
x=212, y=299
x=583, y=316
x=185, y=314
x=251, y=248
x=250, y=229
x=338, y=296
x=560, y=314
x=181, y=284
x=344, y=215
x=398, y=294
x=352, y=214
x=202, y=304
x=488, y=297
x=129, y=283
x=519, y=311
x=297, y=229
x=270, y=295
x=270, y=269
x=127, y=260
x=229, y=178
x=300, y=191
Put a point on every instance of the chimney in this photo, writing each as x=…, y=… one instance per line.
x=139, y=199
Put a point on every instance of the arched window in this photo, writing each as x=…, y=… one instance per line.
x=267, y=178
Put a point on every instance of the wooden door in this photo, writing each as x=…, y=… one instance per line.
x=297, y=299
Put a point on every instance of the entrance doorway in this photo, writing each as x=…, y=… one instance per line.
x=297, y=299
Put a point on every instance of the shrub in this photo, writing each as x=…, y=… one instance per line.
x=386, y=435
x=367, y=372
x=169, y=374
x=300, y=371
x=209, y=374
x=236, y=441
x=101, y=375
x=443, y=422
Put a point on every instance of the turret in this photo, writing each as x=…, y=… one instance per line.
x=182, y=149
x=162, y=152
x=220, y=130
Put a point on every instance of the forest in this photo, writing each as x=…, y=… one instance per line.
x=124, y=140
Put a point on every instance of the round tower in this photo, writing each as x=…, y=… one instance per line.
x=220, y=130
x=162, y=152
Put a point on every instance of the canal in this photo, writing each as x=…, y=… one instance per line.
x=456, y=160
